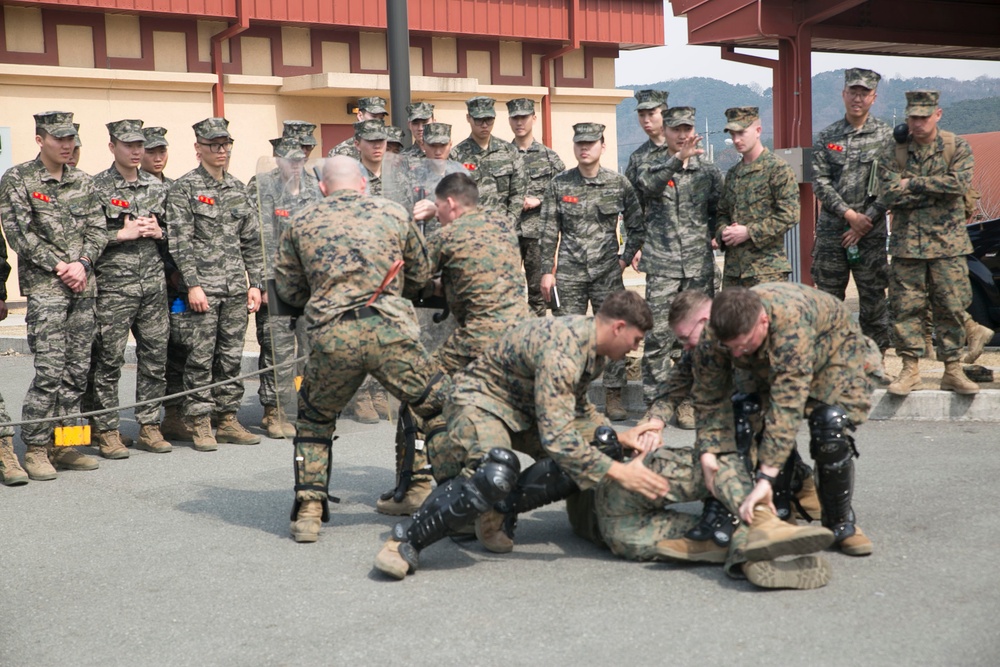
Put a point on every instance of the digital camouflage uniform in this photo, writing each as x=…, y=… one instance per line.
x=929, y=240
x=541, y=165
x=48, y=220
x=681, y=206
x=417, y=111
x=843, y=159
x=763, y=196
x=648, y=150
x=132, y=293
x=372, y=105
x=371, y=130
x=5, y=431
x=214, y=241
x=331, y=260
x=581, y=215
x=498, y=170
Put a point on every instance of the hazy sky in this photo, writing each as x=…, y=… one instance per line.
x=678, y=60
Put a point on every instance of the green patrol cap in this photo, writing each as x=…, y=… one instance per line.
x=650, y=99
x=57, y=123
x=740, y=118
x=288, y=147
x=522, y=106
x=394, y=135
x=675, y=116
x=126, y=130
x=419, y=111
x=865, y=78
x=437, y=133
x=155, y=137
x=481, y=107
x=212, y=128
x=301, y=130
x=76, y=138
x=921, y=102
x=370, y=130
x=586, y=132
x=372, y=104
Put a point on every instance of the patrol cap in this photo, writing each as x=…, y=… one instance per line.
x=126, y=130
x=394, y=135
x=419, y=111
x=865, y=78
x=57, y=123
x=76, y=138
x=372, y=104
x=650, y=99
x=481, y=107
x=370, y=130
x=212, y=128
x=288, y=147
x=522, y=106
x=740, y=118
x=155, y=137
x=921, y=102
x=437, y=133
x=586, y=132
x=301, y=130
x=675, y=116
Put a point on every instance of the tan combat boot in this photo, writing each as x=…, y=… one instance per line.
x=36, y=462
x=69, y=458
x=272, y=422
x=287, y=427
x=364, y=410
x=389, y=561
x=307, y=522
x=909, y=378
x=173, y=427
x=803, y=573
x=232, y=432
x=691, y=551
x=857, y=544
x=380, y=401
x=976, y=338
x=490, y=533
x=110, y=445
x=151, y=440
x=411, y=502
x=200, y=427
x=954, y=380
x=613, y=406
x=808, y=500
x=771, y=538
x=685, y=415
x=11, y=471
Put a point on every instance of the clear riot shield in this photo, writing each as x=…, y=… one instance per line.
x=408, y=181
x=281, y=188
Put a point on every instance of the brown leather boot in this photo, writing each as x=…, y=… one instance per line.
x=977, y=337
x=173, y=426
x=69, y=458
x=110, y=445
x=272, y=422
x=803, y=573
x=380, y=401
x=151, y=440
x=232, y=432
x=411, y=502
x=37, y=464
x=613, y=406
x=11, y=471
x=909, y=378
x=954, y=380
x=691, y=551
x=200, y=427
x=364, y=410
x=307, y=522
x=685, y=416
x=489, y=532
x=771, y=538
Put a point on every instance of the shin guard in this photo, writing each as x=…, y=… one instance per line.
x=833, y=450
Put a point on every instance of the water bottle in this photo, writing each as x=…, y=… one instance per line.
x=853, y=255
x=177, y=306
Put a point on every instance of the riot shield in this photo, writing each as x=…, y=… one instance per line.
x=281, y=188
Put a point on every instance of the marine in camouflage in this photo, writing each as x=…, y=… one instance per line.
x=498, y=171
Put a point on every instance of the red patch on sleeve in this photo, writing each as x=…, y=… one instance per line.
x=469, y=166
x=670, y=183
x=283, y=213
x=41, y=195
x=835, y=147
x=119, y=202
x=206, y=200
x=570, y=200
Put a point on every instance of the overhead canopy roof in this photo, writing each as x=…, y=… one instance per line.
x=968, y=29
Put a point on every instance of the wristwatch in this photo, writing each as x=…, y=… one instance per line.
x=763, y=475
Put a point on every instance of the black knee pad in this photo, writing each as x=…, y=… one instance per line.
x=830, y=442
x=496, y=475
x=541, y=483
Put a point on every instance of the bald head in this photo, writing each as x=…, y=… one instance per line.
x=343, y=173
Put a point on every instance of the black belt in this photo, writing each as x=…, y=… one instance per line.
x=359, y=314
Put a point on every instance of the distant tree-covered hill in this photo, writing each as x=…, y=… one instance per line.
x=969, y=106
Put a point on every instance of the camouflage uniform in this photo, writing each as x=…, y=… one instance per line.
x=583, y=213
x=648, y=151
x=843, y=158
x=371, y=130
x=213, y=239
x=528, y=392
x=681, y=206
x=132, y=295
x=764, y=197
x=541, y=165
x=331, y=260
x=928, y=240
x=5, y=431
x=418, y=111
x=498, y=170
x=47, y=221
x=372, y=105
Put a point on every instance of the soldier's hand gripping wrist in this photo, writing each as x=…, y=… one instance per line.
x=634, y=476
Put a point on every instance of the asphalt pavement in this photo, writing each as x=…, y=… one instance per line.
x=184, y=559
